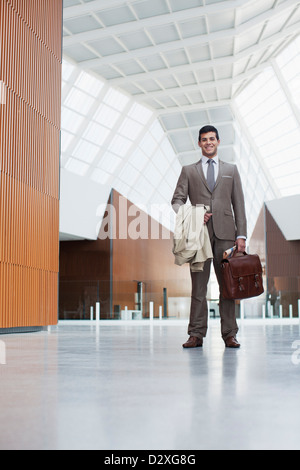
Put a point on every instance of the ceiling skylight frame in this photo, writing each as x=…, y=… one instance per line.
x=185, y=99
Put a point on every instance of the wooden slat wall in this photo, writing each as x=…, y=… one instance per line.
x=30, y=75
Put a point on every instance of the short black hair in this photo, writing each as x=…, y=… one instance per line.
x=207, y=129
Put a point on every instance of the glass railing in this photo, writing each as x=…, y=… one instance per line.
x=137, y=300
x=82, y=300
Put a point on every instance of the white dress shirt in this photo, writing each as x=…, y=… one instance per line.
x=205, y=165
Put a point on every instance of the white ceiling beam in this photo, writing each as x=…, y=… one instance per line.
x=172, y=92
x=193, y=107
x=205, y=64
x=267, y=60
x=86, y=8
x=100, y=5
x=187, y=153
x=193, y=128
x=136, y=26
x=188, y=42
x=138, y=54
x=228, y=60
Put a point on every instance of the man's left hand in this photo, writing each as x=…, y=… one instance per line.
x=241, y=245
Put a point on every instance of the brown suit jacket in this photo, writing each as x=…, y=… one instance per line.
x=226, y=201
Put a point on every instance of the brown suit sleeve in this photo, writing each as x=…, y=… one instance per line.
x=238, y=204
x=181, y=192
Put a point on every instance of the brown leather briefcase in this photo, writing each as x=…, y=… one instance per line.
x=241, y=277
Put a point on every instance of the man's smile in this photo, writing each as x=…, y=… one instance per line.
x=209, y=144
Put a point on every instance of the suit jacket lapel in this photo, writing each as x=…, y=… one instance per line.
x=221, y=164
x=200, y=171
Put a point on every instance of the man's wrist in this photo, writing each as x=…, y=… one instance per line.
x=240, y=244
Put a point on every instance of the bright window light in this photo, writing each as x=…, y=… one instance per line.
x=157, y=131
x=256, y=186
x=128, y=173
x=270, y=120
x=100, y=176
x=96, y=134
x=89, y=84
x=148, y=144
x=66, y=139
x=166, y=192
x=171, y=178
x=280, y=136
x=109, y=162
x=282, y=148
x=160, y=161
x=103, y=138
x=176, y=166
x=107, y=116
x=289, y=64
x=167, y=148
x=122, y=187
x=144, y=187
x=85, y=151
x=284, y=170
x=289, y=181
x=75, y=166
x=152, y=174
x=140, y=113
x=79, y=101
x=67, y=70
x=70, y=121
x=263, y=181
x=130, y=129
x=120, y=146
x=138, y=159
x=116, y=99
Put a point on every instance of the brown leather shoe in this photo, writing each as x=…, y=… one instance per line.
x=193, y=342
x=231, y=342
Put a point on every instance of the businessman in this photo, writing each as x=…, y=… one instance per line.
x=216, y=184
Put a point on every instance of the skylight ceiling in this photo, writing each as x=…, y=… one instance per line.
x=179, y=56
x=186, y=60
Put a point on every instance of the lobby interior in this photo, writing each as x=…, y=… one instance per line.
x=101, y=102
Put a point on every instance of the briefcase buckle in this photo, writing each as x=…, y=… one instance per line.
x=241, y=287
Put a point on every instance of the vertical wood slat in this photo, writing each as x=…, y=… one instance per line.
x=30, y=72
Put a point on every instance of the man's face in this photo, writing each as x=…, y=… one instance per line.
x=209, y=144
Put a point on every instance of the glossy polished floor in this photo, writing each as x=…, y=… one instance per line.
x=118, y=387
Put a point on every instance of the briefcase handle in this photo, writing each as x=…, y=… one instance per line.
x=239, y=253
x=231, y=252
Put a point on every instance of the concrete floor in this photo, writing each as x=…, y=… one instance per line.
x=125, y=386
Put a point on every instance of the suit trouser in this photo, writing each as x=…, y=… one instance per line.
x=199, y=310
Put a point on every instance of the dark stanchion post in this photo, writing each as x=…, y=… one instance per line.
x=165, y=302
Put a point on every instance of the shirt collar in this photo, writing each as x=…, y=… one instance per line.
x=205, y=159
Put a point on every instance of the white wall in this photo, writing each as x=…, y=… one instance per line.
x=80, y=199
x=286, y=213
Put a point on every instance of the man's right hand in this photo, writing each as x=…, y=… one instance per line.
x=207, y=216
